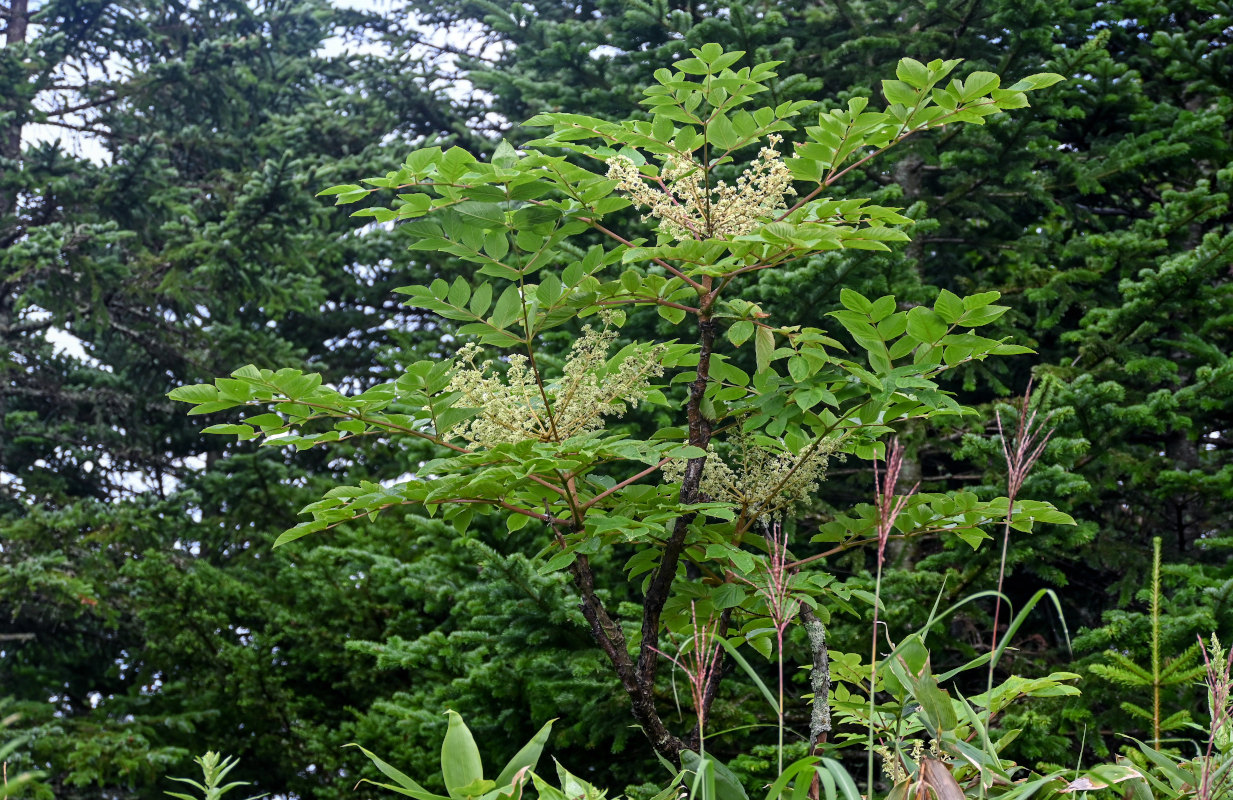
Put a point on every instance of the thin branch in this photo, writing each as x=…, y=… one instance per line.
x=699, y=287
x=539, y=377
x=547, y=484
x=659, y=301
x=551, y=520
x=371, y=421
x=451, y=50
x=623, y=484
x=571, y=499
x=27, y=327
x=98, y=101
x=78, y=128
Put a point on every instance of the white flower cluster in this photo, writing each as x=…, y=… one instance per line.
x=761, y=482
x=892, y=767
x=687, y=208
x=513, y=409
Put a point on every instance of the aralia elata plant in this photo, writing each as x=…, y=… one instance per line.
x=729, y=189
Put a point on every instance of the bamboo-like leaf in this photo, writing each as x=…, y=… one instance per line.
x=461, y=765
x=844, y=781
x=1019, y=618
x=527, y=757
x=797, y=769
x=740, y=660
x=721, y=782
x=406, y=785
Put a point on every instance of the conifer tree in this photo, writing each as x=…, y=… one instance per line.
x=157, y=223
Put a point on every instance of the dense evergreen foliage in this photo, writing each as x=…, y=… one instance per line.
x=174, y=233
x=158, y=221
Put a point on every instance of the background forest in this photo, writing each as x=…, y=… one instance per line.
x=159, y=226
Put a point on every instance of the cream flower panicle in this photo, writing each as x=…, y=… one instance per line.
x=761, y=481
x=688, y=209
x=512, y=409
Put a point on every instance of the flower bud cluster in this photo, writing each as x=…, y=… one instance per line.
x=687, y=207
x=892, y=766
x=761, y=481
x=512, y=409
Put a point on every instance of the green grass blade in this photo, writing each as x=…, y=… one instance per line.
x=762, y=687
x=844, y=781
x=527, y=757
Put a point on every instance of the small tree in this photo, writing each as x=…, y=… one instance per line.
x=706, y=503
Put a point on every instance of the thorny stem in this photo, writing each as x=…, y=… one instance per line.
x=612, y=641
x=699, y=436
x=638, y=678
x=820, y=683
